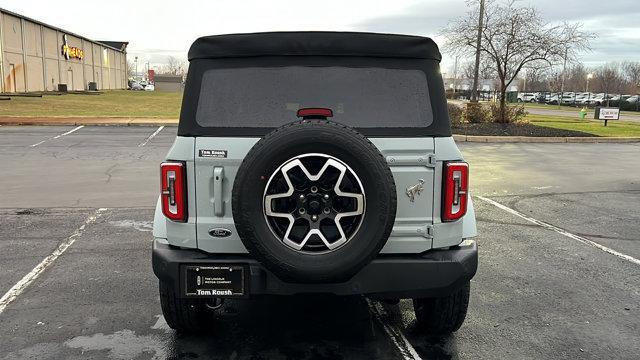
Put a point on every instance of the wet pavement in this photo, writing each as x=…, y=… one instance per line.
x=538, y=293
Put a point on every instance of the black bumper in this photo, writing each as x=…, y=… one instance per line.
x=431, y=274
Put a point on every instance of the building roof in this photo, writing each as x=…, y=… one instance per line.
x=122, y=45
x=319, y=43
x=59, y=29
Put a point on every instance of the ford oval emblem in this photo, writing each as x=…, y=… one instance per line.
x=219, y=232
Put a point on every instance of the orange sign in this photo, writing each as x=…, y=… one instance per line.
x=71, y=52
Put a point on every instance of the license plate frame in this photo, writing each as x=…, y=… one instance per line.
x=215, y=280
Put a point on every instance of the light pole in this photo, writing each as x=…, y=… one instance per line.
x=589, y=77
x=455, y=73
x=586, y=89
x=476, y=71
x=136, y=61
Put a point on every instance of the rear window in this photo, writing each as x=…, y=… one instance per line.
x=258, y=97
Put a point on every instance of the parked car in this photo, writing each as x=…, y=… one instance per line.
x=136, y=86
x=149, y=87
x=567, y=98
x=633, y=99
x=526, y=97
x=366, y=193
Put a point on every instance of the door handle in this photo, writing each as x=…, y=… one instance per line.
x=218, y=203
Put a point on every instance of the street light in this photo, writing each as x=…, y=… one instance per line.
x=589, y=77
x=136, y=61
x=586, y=89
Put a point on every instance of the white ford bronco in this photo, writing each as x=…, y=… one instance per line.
x=314, y=162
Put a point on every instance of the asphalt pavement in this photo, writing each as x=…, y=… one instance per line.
x=558, y=227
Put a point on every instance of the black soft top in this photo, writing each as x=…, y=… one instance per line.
x=314, y=43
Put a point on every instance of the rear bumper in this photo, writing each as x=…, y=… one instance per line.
x=431, y=274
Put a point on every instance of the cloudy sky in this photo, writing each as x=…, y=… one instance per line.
x=156, y=29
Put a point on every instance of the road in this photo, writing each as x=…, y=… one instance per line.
x=541, y=292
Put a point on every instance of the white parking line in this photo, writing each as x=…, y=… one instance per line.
x=151, y=136
x=561, y=231
x=21, y=285
x=397, y=337
x=60, y=135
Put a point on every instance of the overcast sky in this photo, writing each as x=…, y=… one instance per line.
x=156, y=29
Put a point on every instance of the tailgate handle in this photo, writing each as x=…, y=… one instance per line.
x=218, y=204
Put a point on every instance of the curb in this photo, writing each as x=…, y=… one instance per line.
x=534, y=139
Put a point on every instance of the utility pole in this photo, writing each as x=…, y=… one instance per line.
x=476, y=71
x=455, y=73
x=136, y=61
x=564, y=69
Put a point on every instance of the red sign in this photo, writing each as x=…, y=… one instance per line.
x=151, y=75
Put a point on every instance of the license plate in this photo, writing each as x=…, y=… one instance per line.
x=215, y=280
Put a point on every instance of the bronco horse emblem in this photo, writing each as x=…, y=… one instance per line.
x=414, y=190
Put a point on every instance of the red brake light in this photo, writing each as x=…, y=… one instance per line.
x=173, y=190
x=456, y=187
x=314, y=113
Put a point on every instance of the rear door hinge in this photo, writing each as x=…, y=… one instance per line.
x=431, y=160
x=426, y=231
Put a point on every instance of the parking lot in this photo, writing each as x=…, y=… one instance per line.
x=559, y=275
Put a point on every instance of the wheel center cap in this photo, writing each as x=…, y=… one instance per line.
x=314, y=207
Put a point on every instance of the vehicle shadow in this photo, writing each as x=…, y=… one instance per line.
x=401, y=316
x=296, y=327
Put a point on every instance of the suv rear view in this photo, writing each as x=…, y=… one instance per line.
x=314, y=162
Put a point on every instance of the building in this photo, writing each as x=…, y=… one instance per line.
x=38, y=57
x=167, y=82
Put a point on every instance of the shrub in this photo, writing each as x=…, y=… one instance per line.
x=455, y=114
x=476, y=113
x=513, y=114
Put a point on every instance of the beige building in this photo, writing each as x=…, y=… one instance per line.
x=38, y=57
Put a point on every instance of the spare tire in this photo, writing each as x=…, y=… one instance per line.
x=314, y=201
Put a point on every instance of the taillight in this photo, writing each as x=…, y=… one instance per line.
x=456, y=187
x=173, y=190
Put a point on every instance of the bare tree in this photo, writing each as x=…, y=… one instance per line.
x=608, y=79
x=131, y=69
x=576, y=78
x=631, y=71
x=174, y=66
x=487, y=70
x=513, y=37
x=537, y=77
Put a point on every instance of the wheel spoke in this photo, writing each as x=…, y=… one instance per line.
x=314, y=226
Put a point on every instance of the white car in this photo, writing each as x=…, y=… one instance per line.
x=527, y=97
x=149, y=87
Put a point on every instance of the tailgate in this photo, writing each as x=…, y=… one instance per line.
x=412, y=163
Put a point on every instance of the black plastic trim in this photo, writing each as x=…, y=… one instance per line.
x=292, y=43
x=434, y=273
